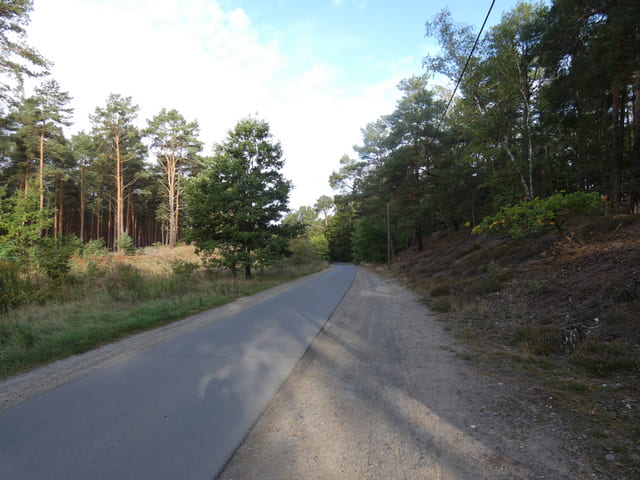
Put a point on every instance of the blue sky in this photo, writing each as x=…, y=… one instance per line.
x=317, y=70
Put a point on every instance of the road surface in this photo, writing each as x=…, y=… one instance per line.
x=176, y=410
x=385, y=393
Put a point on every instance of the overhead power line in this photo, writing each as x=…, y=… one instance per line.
x=464, y=69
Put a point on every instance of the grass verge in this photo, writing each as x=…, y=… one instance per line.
x=99, y=307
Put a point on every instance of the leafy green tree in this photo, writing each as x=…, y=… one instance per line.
x=122, y=149
x=325, y=206
x=21, y=224
x=340, y=229
x=175, y=143
x=369, y=241
x=234, y=205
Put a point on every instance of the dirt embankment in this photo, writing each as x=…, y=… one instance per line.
x=560, y=314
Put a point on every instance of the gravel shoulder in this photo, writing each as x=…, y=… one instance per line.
x=384, y=392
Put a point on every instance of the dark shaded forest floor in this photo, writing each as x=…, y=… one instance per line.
x=559, y=313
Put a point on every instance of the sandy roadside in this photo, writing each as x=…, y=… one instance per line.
x=384, y=393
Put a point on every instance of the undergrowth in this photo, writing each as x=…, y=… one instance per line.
x=103, y=300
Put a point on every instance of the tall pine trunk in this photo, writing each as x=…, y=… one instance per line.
x=635, y=158
x=617, y=150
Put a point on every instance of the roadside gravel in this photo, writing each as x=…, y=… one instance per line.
x=384, y=392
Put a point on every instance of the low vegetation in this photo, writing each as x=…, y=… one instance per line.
x=556, y=309
x=99, y=297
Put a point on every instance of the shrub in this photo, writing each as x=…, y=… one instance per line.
x=302, y=251
x=54, y=256
x=603, y=358
x=534, y=216
x=125, y=244
x=127, y=284
x=184, y=270
x=441, y=305
x=321, y=246
x=537, y=340
x=14, y=289
x=95, y=248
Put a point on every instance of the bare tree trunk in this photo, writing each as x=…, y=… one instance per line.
x=527, y=188
x=635, y=158
x=617, y=150
x=82, y=203
x=42, y=167
x=61, y=207
x=119, y=223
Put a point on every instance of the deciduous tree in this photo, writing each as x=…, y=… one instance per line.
x=235, y=204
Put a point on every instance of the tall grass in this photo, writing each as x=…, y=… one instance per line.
x=102, y=305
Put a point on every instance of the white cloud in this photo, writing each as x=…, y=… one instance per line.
x=212, y=65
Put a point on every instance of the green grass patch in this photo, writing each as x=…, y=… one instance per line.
x=603, y=358
x=118, y=303
x=577, y=386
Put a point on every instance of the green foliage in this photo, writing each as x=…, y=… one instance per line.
x=339, y=232
x=235, y=203
x=302, y=251
x=14, y=288
x=369, y=241
x=17, y=59
x=538, y=340
x=603, y=358
x=184, y=270
x=54, y=256
x=21, y=224
x=530, y=217
x=125, y=244
x=321, y=245
x=441, y=305
x=95, y=248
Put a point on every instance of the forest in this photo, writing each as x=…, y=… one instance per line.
x=544, y=121
x=545, y=107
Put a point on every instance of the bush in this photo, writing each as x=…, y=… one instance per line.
x=125, y=244
x=95, y=248
x=302, y=251
x=535, y=216
x=321, y=246
x=54, y=256
x=538, y=340
x=127, y=284
x=184, y=270
x=14, y=289
x=602, y=358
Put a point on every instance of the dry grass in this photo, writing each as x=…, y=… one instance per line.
x=559, y=312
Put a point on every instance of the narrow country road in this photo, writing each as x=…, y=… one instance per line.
x=386, y=393
x=176, y=409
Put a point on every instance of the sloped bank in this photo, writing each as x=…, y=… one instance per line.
x=559, y=312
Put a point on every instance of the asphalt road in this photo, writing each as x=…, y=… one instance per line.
x=177, y=410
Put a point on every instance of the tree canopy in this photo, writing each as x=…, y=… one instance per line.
x=235, y=203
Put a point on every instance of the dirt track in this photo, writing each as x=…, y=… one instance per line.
x=384, y=392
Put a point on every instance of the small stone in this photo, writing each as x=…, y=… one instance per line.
x=610, y=457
